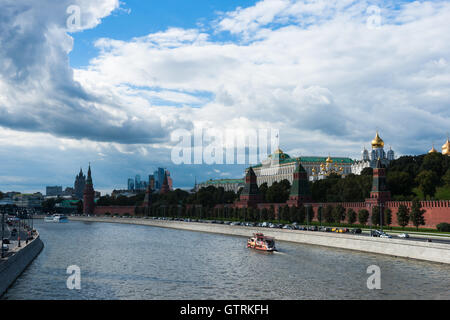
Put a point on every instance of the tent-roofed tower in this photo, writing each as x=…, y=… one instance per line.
x=300, y=192
x=250, y=195
x=89, y=194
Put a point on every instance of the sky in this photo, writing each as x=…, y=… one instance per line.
x=109, y=82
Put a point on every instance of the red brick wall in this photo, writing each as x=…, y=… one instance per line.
x=120, y=210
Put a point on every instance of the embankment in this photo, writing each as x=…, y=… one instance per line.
x=435, y=252
x=13, y=266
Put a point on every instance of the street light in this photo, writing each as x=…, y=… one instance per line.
x=381, y=216
x=3, y=230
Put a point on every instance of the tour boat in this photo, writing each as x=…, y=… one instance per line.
x=261, y=242
x=56, y=218
x=49, y=219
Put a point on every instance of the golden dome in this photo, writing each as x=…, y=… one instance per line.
x=377, y=142
x=446, y=148
x=433, y=150
x=278, y=151
x=329, y=160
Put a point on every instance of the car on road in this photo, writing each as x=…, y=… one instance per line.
x=5, y=247
x=356, y=230
x=288, y=227
x=403, y=235
x=6, y=241
x=376, y=233
x=385, y=235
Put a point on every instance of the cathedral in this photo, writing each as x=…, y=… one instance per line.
x=369, y=160
x=80, y=182
x=445, y=148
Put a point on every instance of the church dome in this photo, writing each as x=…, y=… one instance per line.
x=377, y=142
x=446, y=148
x=433, y=150
x=329, y=160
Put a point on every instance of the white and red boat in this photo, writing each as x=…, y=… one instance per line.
x=261, y=242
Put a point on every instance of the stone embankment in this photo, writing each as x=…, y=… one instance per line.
x=13, y=266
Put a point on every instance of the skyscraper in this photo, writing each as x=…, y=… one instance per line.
x=130, y=184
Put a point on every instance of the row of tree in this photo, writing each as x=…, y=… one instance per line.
x=328, y=214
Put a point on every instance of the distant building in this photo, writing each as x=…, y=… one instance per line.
x=69, y=192
x=28, y=200
x=80, y=183
x=227, y=184
x=53, y=191
x=130, y=185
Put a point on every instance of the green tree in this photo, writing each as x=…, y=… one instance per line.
x=320, y=214
x=285, y=213
x=328, y=214
x=263, y=190
x=351, y=216
x=309, y=213
x=403, y=216
x=427, y=181
x=363, y=216
x=271, y=213
x=417, y=213
x=301, y=214
x=446, y=178
x=387, y=217
x=338, y=213
x=375, y=218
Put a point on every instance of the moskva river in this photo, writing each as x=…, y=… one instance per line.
x=119, y=261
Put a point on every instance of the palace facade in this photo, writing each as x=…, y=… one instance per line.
x=279, y=166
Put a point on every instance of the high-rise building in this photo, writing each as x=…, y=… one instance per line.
x=80, y=183
x=130, y=184
x=52, y=191
x=137, y=182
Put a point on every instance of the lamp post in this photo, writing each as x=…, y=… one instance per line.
x=308, y=206
x=370, y=218
x=3, y=230
x=18, y=233
x=381, y=216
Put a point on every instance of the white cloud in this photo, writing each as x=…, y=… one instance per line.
x=310, y=68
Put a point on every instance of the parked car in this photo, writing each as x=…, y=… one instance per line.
x=6, y=241
x=356, y=230
x=385, y=235
x=313, y=228
x=288, y=227
x=403, y=235
x=375, y=233
x=5, y=247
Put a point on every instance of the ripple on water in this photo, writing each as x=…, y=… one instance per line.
x=140, y=262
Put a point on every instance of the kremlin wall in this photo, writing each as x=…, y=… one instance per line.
x=435, y=211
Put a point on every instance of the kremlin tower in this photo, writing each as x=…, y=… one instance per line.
x=88, y=195
x=300, y=192
x=165, y=186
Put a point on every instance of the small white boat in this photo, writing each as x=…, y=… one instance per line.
x=56, y=218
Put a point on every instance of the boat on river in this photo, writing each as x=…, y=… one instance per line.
x=56, y=218
x=261, y=242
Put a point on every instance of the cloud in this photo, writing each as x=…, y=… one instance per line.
x=311, y=68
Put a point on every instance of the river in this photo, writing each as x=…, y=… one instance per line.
x=119, y=261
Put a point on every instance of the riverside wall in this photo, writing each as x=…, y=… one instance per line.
x=13, y=266
x=435, y=252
